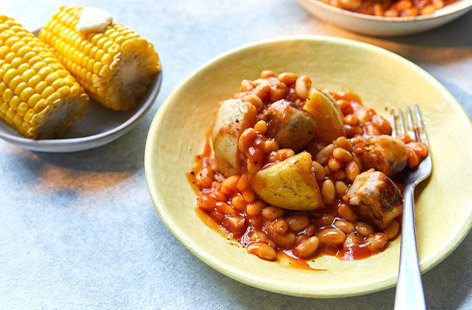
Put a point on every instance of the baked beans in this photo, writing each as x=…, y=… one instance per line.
x=265, y=229
x=263, y=250
x=319, y=170
x=297, y=223
x=271, y=213
x=392, y=230
x=328, y=192
x=345, y=226
x=307, y=247
x=302, y=87
x=255, y=208
x=331, y=236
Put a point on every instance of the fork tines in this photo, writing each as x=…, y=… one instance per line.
x=413, y=127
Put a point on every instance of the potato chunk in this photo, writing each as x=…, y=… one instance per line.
x=289, y=125
x=289, y=184
x=234, y=115
x=383, y=153
x=375, y=198
x=328, y=116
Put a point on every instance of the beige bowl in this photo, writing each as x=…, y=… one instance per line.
x=385, y=26
x=177, y=133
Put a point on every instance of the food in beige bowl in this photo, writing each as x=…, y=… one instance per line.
x=386, y=25
x=178, y=133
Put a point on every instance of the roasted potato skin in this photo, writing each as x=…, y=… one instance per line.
x=328, y=116
x=234, y=116
x=384, y=153
x=289, y=184
x=375, y=198
x=290, y=126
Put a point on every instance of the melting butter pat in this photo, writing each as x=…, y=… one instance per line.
x=93, y=19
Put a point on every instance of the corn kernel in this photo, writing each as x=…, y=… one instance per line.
x=3, y=51
x=40, y=106
x=15, y=102
x=17, y=120
x=28, y=74
x=20, y=88
x=22, y=108
x=34, y=99
x=26, y=93
x=15, y=81
x=9, y=75
x=40, y=87
x=47, y=92
x=7, y=95
x=29, y=115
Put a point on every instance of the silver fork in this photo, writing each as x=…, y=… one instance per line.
x=409, y=293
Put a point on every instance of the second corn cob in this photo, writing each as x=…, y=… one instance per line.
x=116, y=66
x=39, y=98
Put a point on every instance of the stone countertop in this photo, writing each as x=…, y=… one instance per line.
x=79, y=230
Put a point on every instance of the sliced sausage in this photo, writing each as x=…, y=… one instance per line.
x=375, y=198
x=290, y=126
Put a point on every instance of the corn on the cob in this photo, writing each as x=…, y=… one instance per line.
x=38, y=96
x=116, y=66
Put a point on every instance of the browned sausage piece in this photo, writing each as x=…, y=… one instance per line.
x=383, y=153
x=290, y=126
x=375, y=198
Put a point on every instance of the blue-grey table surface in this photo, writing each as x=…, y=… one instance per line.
x=79, y=230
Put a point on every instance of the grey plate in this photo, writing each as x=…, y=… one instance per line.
x=97, y=127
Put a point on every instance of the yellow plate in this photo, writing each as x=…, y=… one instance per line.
x=382, y=79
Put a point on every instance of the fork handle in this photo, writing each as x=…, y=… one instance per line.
x=409, y=293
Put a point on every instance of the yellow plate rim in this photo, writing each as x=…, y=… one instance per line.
x=247, y=278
